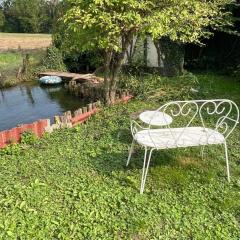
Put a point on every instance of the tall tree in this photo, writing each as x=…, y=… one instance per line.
x=31, y=16
x=110, y=25
x=53, y=9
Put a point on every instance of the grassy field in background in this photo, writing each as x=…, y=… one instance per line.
x=13, y=48
x=14, y=41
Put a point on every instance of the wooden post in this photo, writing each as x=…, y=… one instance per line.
x=90, y=107
x=63, y=119
x=68, y=116
x=94, y=105
x=25, y=64
x=98, y=103
x=80, y=111
x=85, y=109
x=57, y=120
x=75, y=114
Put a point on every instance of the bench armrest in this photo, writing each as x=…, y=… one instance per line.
x=136, y=127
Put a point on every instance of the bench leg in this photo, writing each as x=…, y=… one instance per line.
x=202, y=151
x=130, y=152
x=227, y=163
x=145, y=168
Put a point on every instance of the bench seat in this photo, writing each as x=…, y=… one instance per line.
x=178, y=137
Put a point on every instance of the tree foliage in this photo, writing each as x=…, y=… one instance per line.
x=33, y=18
x=110, y=25
x=29, y=16
x=2, y=19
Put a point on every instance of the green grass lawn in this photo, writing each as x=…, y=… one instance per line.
x=73, y=184
x=13, y=46
x=11, y=61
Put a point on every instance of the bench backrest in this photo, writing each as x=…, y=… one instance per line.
x=221, y=115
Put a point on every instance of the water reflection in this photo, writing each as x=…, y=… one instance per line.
x=28, y=102
x=29, y=94
x=2, y=96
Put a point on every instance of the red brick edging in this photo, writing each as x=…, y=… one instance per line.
x=43, y=125
x=14, y=135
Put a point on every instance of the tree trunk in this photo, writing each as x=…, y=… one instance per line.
x=170, y=57
x=108, y=56
x=114, y=78
x=145, y=52
x=112, y=67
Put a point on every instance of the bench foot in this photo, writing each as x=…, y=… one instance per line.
x=202, y=151
x=130, y=152
x=145, y=168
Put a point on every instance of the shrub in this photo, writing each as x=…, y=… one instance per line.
x=83, y=62
x=10, y=150
x=159, y=88
x=53, y=60
x=28, y=137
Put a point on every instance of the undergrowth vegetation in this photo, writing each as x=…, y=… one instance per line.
x=155, y=87
x=73, y=184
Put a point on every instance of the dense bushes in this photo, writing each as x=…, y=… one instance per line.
x=220, y=53
x=236, y=72
x=83, y=62
x=57, y=60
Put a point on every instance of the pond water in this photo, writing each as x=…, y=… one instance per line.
x=29, y=102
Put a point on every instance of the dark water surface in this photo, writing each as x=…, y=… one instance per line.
x=29, y=102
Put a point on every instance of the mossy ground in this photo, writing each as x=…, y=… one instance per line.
x=73, y=184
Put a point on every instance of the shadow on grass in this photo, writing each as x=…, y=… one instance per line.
x=174, y=168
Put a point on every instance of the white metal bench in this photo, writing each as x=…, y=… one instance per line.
x=195, y=123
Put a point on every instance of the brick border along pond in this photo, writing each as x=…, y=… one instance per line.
x=43, y=125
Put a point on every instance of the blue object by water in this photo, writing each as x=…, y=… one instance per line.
x=50, y=80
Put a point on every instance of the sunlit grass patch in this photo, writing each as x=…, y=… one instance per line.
x=10, y=60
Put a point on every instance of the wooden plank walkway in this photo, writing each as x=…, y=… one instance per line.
x=67, y=76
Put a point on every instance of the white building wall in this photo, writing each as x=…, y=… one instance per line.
x=152, y=56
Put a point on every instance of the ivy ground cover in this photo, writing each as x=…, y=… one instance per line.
x=73, y=184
